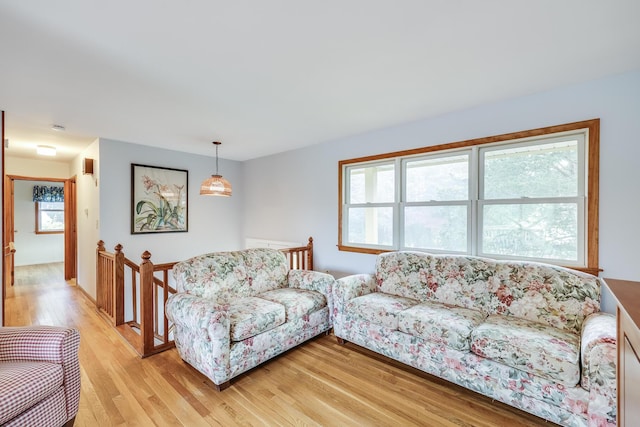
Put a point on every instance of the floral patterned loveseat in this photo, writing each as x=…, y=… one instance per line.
x=235, y=310
x=526, y=334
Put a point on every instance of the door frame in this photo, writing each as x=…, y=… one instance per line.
x=70, y=220
x=4, y=249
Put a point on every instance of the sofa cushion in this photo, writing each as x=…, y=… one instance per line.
x=441, y=323
x=251, y=316
x=379, y=308
x=23, y=384
x=449, y=279
x=529, y=346
x=297, y=302
x=549, y=294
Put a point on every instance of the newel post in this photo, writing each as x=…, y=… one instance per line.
x=310, y=254
x=146, y=303
x=118, y=285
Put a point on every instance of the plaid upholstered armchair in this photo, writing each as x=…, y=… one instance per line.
x=39, y=376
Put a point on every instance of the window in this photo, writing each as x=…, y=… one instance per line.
x=49, y=217
x=532, y=200
x=371, y=204
x=531, y=195
x=437, y=210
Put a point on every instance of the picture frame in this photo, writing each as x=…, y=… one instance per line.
x=159, y=199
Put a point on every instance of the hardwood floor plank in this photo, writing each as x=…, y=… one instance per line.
x=317, y=384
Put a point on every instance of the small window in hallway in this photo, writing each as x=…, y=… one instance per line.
x=49, y=217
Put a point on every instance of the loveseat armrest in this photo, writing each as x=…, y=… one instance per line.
x=201, y=333
x=203, y=316
x=313, y=281
x=52, y=344
x=350, y=287
x=598, y=359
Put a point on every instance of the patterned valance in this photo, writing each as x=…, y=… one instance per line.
x=42, y=193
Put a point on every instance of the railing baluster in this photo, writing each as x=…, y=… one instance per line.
x=118, y=289
x=165, y=296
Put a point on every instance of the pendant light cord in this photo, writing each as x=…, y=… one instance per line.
x=217, y=159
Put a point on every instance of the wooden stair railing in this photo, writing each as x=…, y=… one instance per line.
x=300, y=258
x=148, y=329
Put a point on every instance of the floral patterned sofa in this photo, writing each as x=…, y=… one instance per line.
x=235, y=310
x=526, y=334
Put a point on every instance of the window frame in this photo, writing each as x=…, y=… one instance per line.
x=591, y=200
x=391, y=204
x=39, y=210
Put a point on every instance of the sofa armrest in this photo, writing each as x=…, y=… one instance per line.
x=598, y=358
x=53, y=344
x=598, y=350
x=350, y=287
x=313, y=281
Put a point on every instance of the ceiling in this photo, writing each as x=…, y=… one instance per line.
x=270, y=76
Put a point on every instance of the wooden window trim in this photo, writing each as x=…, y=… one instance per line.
x=593, y=192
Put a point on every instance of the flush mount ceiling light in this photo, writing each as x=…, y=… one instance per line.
x=46, y=150
x=58, y=128
x=216, y=185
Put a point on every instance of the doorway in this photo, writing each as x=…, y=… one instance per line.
x=40, y=235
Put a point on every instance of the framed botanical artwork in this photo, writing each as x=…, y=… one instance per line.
x=159, y=199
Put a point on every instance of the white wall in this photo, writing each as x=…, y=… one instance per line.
x=87, y=214
x=104, y=211
x=295, y=194
x=35, y=168
x=32, y=248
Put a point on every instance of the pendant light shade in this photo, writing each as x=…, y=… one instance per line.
x=216, y=185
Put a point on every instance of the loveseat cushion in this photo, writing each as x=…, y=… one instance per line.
x=529, y=346
x=379, y=308
x=250, y=316
x=24, y=384
x=228, y=275
x=441, y=323
x=297, y=302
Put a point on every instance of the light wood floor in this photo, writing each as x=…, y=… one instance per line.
x=318, y=383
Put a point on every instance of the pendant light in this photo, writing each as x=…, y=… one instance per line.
x=216, y=185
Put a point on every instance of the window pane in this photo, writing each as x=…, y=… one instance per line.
x=439, y=179
x=51, y=206
x=372, y=184
x=51, y=220
x=371, y=226
x=544, y=231
x=436, y=227
x=545, y=170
